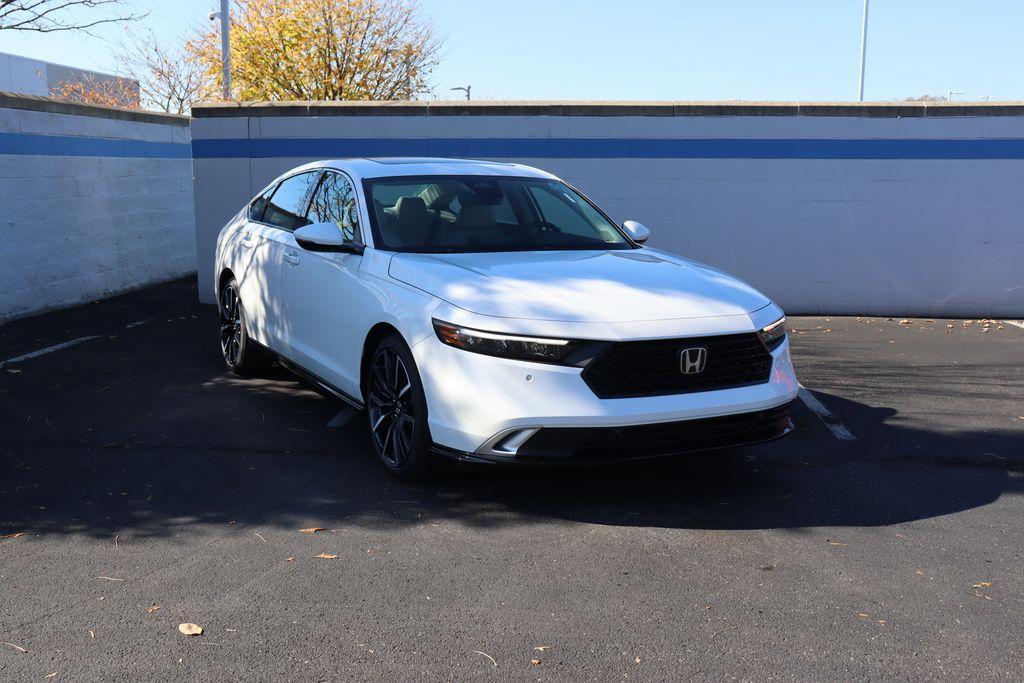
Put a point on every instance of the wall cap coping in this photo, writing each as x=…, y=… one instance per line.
x=611, y=108
x=54, y=106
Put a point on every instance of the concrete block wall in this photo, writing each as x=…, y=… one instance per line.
x=93, y=201
x=859, y=209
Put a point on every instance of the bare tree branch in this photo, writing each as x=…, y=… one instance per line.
x=48, y=16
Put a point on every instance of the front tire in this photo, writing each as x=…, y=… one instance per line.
x=397, y=411
x=240, y=353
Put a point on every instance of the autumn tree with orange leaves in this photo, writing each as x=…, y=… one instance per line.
x=105, y=91
x=323, y=50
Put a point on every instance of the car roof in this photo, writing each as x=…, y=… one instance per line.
x=386, y=167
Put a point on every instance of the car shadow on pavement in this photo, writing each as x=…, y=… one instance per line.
x=141, y=431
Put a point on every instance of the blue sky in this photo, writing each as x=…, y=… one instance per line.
x=675, y=50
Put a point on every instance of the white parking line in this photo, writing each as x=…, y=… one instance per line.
x=49, y=349
x=1015, y=323
x=837, y=428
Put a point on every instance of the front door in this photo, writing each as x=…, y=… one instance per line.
x=327, y=304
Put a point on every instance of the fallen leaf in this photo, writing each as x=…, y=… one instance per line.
x=16, y=647
x=311, y=530
x=190, y=629
x=326, y=556
x=290, y=559
x=92, y=634
x=842, y=545
x=153, y=608
x=982, y=584
x=906, y=322
x=50, y=675
x=535, y=662
x=25, y=533
x=541, y=648
x=637, y=660
x=108, y=578
x=488, y=657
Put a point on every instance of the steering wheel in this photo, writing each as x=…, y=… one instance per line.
x=545, y=226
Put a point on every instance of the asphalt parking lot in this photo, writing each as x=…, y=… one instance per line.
x=141, y=487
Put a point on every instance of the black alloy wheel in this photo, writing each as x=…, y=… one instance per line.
x=396, y=408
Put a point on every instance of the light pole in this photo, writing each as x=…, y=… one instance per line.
x=466, y=90
x=863, y=49
x=225, y=46
x=949, y=96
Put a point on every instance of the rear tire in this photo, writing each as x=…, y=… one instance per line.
x=397, y=411
x=242, y=355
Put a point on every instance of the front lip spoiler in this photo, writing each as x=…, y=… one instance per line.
x=488, y=459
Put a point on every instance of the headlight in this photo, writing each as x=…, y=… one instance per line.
x=772, y=335
x=537, y=349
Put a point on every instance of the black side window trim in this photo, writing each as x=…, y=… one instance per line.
x=323, y=176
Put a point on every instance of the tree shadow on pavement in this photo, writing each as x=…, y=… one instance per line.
x=143, y=432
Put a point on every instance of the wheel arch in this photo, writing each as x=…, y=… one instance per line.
x=373, y=337
x=225, y=276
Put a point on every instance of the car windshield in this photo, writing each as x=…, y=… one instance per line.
x=485, y=213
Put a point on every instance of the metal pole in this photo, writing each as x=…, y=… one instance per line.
x=225, y=48
x=863, y=49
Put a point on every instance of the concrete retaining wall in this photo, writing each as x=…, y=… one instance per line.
x=875, y=209
x=93, y=201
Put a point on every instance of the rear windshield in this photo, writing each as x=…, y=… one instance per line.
x=485, y=213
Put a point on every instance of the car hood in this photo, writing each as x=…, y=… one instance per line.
x=578, y=286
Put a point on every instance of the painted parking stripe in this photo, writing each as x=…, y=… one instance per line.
x=49, y=349
x=1015, y=323
x=837, y=428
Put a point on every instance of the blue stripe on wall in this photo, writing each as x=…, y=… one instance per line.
x=74, y=146
x=614, y=148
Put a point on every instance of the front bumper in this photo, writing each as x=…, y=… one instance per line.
x=471, y=398
x=592, y=445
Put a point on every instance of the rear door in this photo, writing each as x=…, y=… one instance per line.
x=269, y=238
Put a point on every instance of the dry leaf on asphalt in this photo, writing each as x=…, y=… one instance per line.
x=982, y=584
x=535, y=662
x=326, y=556
x=153, y=608
x=495, y=663
x=311, y=530
x=637, y=660
x=541, y=648
x=190, y=629
x=290, y=559
x=16, y=647
x=16, y=535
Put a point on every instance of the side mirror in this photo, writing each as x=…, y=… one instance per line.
x=636, y=231
x=325, y=237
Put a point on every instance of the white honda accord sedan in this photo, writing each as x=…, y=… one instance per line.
x=490, y=312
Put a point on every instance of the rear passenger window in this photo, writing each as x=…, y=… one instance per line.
x=286, y=207
x=259, y=205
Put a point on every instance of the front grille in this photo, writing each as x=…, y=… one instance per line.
x=665, y=438
x=652, y=368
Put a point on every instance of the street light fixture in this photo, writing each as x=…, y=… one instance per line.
x=949, y=97
x=225, y=45
x=466, y=90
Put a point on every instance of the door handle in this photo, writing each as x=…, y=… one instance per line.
x=292, y=257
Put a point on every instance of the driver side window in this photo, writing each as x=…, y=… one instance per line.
x=335, y=202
